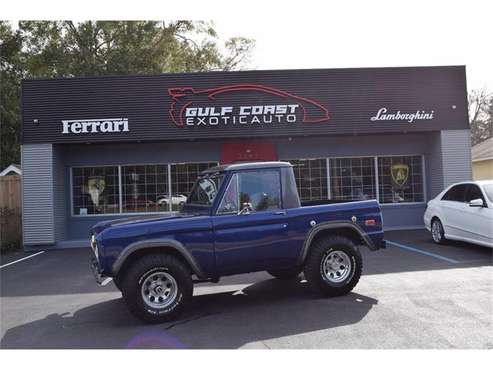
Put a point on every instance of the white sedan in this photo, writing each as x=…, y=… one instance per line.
x=176, y=200
x=463, y=211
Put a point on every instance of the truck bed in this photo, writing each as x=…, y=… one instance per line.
x=318, y=202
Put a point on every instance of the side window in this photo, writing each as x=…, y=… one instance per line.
x=473, y=192
x=229, y=203
x=455, y=193
x=260, y=188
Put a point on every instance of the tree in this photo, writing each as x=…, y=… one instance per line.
x=11, y=73
x=50, y=49
x=480, y=115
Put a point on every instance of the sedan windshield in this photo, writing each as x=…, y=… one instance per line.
x=488, y=189
x=205, y=189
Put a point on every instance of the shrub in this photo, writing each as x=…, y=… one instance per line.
x=10, y=230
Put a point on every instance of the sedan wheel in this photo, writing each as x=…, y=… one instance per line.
x=437, y=232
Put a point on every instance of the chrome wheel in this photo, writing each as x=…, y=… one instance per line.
x=436, y=231
x=159, y=290
x=336, y=266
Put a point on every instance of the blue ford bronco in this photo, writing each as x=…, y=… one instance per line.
x=238, y=218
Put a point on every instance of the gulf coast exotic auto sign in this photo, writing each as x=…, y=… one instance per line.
x=244, y=104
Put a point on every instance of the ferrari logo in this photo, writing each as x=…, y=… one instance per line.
x=400, y=173
x=95, y=187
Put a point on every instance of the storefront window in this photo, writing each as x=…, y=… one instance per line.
x=400, y=179
x=145, y=188
x=95, y=190
x=311, y=178
x=183, y=176
x=352, y=178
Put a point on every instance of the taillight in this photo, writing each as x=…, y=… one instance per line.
x=370, y=222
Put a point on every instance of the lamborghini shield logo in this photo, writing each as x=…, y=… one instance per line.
x=400, y=174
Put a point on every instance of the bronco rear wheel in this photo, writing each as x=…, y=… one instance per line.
x=157, y=287
x=333, y=266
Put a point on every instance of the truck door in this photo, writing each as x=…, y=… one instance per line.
x=250, y=226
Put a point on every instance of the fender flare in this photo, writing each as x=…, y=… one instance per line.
x=333, y=225
x=157, y=243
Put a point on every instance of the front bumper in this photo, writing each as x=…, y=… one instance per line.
x=101, y=279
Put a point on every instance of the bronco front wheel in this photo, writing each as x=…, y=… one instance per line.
x=157, y=287
x=333, y=266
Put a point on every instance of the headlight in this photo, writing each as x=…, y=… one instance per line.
x=94, y=246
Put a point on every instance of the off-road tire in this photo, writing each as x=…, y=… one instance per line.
x=117, y=282
x=285, y=274
x=314, y=271
x=441, y=236
x=135, y=276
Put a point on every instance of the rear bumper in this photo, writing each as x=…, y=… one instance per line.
x=100, y=278
x=374, y=241
x=375, y=246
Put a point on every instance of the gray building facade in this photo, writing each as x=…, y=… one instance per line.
x=111, y=147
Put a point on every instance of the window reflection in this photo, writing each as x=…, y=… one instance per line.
x=352, y=178
x=145, y=188
x=400, y=179
x=95, y=190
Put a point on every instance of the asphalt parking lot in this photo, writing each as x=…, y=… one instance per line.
x=414, y=294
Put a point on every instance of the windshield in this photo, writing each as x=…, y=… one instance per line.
x=488, y=189
x=205, y=189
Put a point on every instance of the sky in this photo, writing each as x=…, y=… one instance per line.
x=447, y=34
x=293, y=34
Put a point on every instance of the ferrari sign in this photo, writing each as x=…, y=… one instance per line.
x=400, y=174
x=95, y=126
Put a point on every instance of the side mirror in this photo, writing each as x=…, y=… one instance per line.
x=246, y=209
x=476, y=203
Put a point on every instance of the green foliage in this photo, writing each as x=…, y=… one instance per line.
x=11, y=73
x=50, y=49
x=10, y=238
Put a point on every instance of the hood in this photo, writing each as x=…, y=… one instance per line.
x=103, y=225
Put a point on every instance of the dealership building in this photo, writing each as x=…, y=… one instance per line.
x=99, y=148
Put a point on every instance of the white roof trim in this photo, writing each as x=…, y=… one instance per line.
x=11, y=168
x=482, y=159
x=483, y=150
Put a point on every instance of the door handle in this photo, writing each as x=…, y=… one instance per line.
x=280, y=213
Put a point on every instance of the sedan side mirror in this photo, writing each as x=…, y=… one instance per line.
x=476, y=203
x=246, y=209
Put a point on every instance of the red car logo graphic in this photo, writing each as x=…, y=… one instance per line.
x=182, y=97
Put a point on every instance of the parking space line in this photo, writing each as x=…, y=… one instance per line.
x=21, y=259
x=413, y=249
